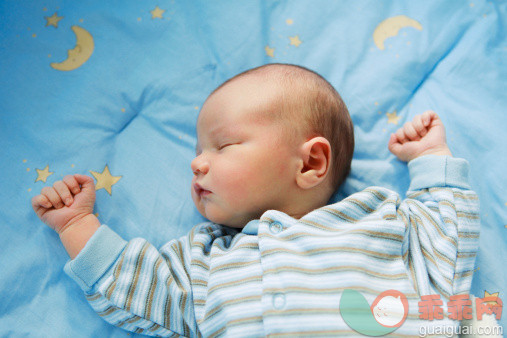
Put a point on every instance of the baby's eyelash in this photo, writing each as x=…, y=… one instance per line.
x=225, y=145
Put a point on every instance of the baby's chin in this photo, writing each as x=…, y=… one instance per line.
x=227, y=221
x=222, y=218
x=214, y=213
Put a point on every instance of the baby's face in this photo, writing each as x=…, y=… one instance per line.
x=243, y=166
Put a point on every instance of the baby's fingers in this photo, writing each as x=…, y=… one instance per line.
x=393, y=143
x=53, y=197
x=40, y=201
x=400, y=136
x=63, y=191
x=410, y=131
x=428, y=116
x=72, y=183
x=419, y=126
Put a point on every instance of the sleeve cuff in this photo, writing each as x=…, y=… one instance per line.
x=438, y=171
x=98, y=255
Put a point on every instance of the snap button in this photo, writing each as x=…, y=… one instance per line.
x=275, y=227
x=278, y=301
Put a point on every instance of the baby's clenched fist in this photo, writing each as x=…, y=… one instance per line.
x=66, y=202
x=424, y=135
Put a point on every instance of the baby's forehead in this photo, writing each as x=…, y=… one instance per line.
x=247, y=100
x=229, y=121
x=265, y=96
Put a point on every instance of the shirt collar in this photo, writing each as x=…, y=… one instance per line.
x=251, y=228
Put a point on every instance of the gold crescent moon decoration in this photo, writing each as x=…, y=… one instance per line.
x=390, y=27
x=80, y=53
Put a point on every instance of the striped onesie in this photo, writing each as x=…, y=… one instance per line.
x=281, y=276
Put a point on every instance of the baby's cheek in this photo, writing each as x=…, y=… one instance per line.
x=239, y=181
x=235, y=185
x=281, y=168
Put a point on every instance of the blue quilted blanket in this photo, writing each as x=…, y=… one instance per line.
x=113, y=89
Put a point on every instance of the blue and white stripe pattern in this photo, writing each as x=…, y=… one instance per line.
x=282, y=276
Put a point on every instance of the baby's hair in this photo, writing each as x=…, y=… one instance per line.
x=308, y=97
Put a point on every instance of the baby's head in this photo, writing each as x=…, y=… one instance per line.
x=276, y=137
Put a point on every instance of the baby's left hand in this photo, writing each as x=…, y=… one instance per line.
x=425, y=135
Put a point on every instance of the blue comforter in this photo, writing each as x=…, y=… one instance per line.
x=113, y=90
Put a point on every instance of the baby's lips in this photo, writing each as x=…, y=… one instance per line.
x=200, y=191
x=204, y=192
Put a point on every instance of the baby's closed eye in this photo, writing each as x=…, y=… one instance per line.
x=225, y=145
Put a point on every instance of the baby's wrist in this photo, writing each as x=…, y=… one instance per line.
x=78, y=220
x=440, y=151
x=75, y=235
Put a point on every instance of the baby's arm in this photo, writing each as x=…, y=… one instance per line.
x=67, y=208
x=108, y=269
x=441, y=212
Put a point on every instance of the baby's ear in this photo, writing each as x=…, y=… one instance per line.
x=315, y=162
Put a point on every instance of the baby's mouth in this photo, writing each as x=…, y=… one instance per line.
x=200, y=191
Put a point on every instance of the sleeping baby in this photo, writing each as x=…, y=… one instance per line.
x=273, y=145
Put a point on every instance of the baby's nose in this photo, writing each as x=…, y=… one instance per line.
x=199, y=165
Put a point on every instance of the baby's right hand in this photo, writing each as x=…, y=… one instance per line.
x=66, y=202
x=425, y=135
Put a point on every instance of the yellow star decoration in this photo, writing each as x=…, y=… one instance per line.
x=53, y=20
x=392, y=117
x=495, y=295
x=270, y=51
x=42, y=175
x=294, y=40
x=105, y=179
x=157, y=13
